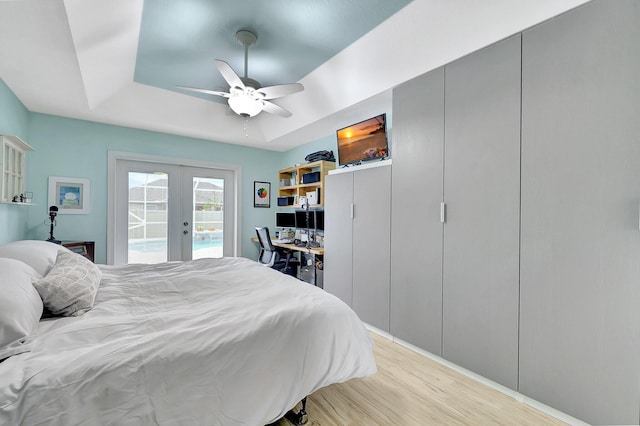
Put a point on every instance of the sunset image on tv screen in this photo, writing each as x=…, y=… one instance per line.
x=363, y=141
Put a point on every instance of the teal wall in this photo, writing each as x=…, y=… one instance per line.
x=328, y=143
x=76, y=148
x=296, y=155
x=14, y=120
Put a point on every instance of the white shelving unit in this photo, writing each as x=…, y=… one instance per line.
x=12, y=167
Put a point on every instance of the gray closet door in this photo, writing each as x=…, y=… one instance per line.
x=371, y=245
x=338, y=260
x=482, y=192
x=416, y=242
x=580, y=268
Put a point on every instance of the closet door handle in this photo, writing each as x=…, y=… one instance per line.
x=443, y=212
x=352, y=211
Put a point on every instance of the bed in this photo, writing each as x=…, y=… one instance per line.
x=205, y=342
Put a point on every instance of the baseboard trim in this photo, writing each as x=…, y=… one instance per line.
x=497, y=386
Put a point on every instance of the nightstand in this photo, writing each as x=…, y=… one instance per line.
x=85, y=248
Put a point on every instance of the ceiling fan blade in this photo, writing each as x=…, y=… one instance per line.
x=229, y=74
x=207, y=91
x=272, y=92
x=272, y=108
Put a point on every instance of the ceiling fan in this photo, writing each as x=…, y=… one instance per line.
x=246, y=97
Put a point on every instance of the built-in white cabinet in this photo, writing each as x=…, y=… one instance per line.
x=482, y=196
x=357, y=240
x=455, y=212
x=12, y=166
x=338, y=236
x=580, y=256
x=416, y=239
x=535, y=145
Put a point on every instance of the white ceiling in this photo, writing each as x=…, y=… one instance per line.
x=77, y=58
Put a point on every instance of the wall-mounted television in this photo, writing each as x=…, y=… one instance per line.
x=363, y=141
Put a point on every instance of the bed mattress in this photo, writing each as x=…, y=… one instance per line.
x=205, y=342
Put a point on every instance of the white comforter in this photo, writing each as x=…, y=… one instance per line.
x=206, y=342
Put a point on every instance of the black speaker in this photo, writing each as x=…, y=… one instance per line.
x=285, y=201
x=311, y=177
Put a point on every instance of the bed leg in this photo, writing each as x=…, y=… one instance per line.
x=299, y=418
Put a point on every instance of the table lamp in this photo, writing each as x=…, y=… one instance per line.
x=53, y=212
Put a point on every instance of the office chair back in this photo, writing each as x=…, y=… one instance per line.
x=268, y=254
x=278, y=259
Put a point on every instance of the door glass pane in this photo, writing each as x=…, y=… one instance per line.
x=5, y=196
x=208, y=218
x=148, y=224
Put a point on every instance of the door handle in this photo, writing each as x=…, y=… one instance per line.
x=186, y=223
x=185, y=232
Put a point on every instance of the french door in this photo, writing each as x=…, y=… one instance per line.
x=166, y=212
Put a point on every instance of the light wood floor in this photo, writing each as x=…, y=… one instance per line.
x=410, y=389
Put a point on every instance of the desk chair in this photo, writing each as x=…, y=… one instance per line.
x=279, y=259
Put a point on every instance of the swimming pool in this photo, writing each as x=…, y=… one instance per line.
x=160, y=244
x=155, y=250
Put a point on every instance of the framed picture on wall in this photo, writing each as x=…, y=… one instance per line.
x=69, y=195
x=261, y=194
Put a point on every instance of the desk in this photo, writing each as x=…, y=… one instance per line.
x=315, y=250
x=309, y=271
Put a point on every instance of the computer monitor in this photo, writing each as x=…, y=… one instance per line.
x=285, y=220
x=319, y=220
x=301, y=219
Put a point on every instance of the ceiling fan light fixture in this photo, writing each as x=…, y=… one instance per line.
x=246, y=96
x=245, y=106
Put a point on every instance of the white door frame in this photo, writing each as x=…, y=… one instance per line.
x=187, y=208
x=114, y=156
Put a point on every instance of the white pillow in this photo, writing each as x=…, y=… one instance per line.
x=40, y=255
x=20, y=304
x=70, y=287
